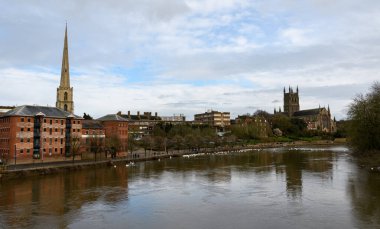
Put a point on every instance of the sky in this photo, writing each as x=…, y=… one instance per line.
x=189, y=56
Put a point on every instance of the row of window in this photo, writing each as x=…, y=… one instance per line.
x=4, y=120
x=50, y=150
x=6, y=129
x=50, y=130
x=22, y=140
x=4, y=140
x=94, y=132
x=50, y=121
x=4, y=151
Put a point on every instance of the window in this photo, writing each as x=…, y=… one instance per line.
x=28, y=119
x=21, y=140
x=22, y=129
x=61, y=150
x=27, y=150
x=28, y=140
x=22, y=119
x=44, y=129
x=65, y=96
x=61, y=131
x=56, y=129
x=44, y=120
x=73, y=122
x=51, y=131
x=28, y=129
x=61, y=140
x=56, y=140
x=73, y=130
x=78, y=122
x=51, y=121
x=61, y=122
x=55, y=149
x=65, y=107
x=21, y=151
x=51, y=141
x=56, y=121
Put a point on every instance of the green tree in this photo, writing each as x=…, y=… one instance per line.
x=364, y=115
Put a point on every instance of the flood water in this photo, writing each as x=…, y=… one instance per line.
x=274, y=188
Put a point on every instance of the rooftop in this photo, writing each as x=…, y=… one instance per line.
x=28, y=110
x=112, y=117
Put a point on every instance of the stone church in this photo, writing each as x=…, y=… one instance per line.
x=64, y=91
x=316, y=119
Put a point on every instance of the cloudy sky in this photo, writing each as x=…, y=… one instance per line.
x=188, y=56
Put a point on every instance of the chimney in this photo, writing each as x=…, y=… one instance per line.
x=119, y=113
x=129, y=114
x=138, y=114
x=155, y=114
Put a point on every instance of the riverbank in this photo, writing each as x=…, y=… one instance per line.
x=40, y=169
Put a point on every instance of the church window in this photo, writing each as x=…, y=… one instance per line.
x=65, y=96
x=65, y=107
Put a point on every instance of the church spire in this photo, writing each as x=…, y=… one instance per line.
x=65, y=73
x=64, y=91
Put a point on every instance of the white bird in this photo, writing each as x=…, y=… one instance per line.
x=126, y=165
x=114, y=166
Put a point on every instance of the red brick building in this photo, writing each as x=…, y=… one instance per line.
x=37, y=132
x=116, y=126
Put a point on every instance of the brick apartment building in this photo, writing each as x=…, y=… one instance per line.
x=37, y=132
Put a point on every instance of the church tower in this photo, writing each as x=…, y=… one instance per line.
x=291, y=102
x=64, y=91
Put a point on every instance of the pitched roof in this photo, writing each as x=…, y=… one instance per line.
x=307, y=112
x=112, y=117
x=92, y=124
x=28, y=110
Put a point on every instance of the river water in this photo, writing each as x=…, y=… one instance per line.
x=273, y=188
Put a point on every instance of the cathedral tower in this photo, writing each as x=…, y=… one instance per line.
x=291, y=102
x=64, y=91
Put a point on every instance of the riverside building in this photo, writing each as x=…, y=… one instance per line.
x=36, y=132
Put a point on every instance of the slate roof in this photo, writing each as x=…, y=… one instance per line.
x=28, y=110
x=92, y=124
x=112, y=117
x=309, y=112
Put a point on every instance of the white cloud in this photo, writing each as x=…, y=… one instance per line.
x=165, y=54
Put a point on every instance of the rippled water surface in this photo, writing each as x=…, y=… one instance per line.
x=275, y=188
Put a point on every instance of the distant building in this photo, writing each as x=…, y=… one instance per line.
x=174, y=118
x=316, y=119
x=37, y=132
x=258, y=124
x=64, y=91
x=213, y=118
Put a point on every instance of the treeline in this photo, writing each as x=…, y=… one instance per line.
x=364, y=125
x=178, y=137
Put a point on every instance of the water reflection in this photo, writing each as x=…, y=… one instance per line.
x=25, y=202
x=315, y=187
x=364, y=190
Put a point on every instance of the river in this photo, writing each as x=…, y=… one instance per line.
x=273, y=188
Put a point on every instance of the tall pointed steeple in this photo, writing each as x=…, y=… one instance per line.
x=65, y=73
x=64, y=91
